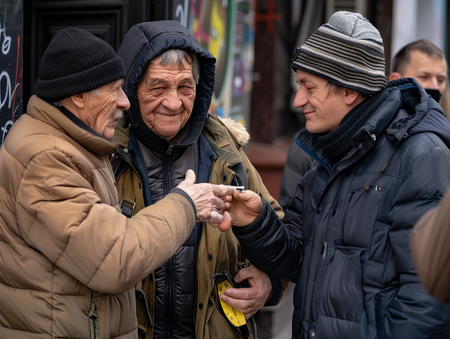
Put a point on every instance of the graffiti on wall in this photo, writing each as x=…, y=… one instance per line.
x=11, y=28
x=225, y=28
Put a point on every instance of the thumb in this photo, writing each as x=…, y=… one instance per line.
x=190, y=177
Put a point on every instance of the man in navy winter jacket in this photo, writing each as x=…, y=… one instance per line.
x=382, y=161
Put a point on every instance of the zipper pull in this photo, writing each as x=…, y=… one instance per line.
x=169, y=150
x=324, y=250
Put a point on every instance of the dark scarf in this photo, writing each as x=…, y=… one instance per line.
x=158, y=144
x=339, y=142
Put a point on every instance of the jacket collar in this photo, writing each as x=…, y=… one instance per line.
x=389, y=119
x=43, y=111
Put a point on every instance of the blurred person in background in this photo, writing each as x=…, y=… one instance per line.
x=425, y=62
x=430, y=250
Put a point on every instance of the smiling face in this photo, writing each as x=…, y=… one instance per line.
x=166, y=97
x=104, y=107
x=323, y=107
x=431, y=73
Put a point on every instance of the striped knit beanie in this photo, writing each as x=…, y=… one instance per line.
x=347, y=51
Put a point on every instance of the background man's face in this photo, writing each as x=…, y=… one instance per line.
x=323, y=108
x=430, y=73
x=166, y=97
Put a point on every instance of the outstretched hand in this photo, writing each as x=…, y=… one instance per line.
x=241, y=209
x=208, y=198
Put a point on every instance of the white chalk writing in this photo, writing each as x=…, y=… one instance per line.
x=6, y=92
x=6, y=40
x=5, y=130
x=182, y=13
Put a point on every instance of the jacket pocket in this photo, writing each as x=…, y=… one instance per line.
x=342, y=294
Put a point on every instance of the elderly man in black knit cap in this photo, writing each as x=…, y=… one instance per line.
x=69, y=259
x=381, y=161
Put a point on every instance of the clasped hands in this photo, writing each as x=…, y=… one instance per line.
x=220, y=205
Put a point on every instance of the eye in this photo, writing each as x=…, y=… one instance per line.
x=186, y=90
x=158, y=90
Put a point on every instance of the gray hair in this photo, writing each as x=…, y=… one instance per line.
x=94, y=93
x=176, y=57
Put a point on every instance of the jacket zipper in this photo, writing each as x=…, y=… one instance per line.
x=94, y=330
x=170, y=264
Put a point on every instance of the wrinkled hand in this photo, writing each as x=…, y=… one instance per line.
x=249, y=300
x=241, y=209
x=208, y=198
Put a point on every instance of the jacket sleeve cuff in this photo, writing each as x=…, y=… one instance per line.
x=275, y=295
x=184, y=194
x=245, y=230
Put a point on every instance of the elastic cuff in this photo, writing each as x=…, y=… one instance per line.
x=184, y=194
x=275, y=295
x=255, y=224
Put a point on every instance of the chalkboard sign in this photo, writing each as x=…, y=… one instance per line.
x=11, y=67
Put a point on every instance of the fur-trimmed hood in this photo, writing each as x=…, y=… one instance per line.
x=239, y=131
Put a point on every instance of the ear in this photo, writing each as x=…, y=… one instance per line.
x=394, y=76
x=79, y=100
x=350, y=96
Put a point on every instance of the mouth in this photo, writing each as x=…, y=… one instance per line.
x=113, y=123
x=168, y=114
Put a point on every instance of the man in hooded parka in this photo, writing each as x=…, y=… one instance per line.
x=167, y=130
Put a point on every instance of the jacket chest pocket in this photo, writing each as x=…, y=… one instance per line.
x=359, y=215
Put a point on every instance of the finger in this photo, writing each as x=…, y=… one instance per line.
x=218, y=203
x=242, y=195
x=243, y=293
x=237, y=303
x=226, y=206
x=226, y=224
x=228, y=198
x=190, y=177
x=246, y=273
x=215, y=218
x=223, y=191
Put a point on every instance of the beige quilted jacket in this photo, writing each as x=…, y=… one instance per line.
x=68, y=258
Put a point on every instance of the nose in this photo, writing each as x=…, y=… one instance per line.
x=122, y=100
x=172, y=101
x=300, y=99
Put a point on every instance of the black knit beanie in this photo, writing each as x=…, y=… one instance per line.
x=75, y=62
